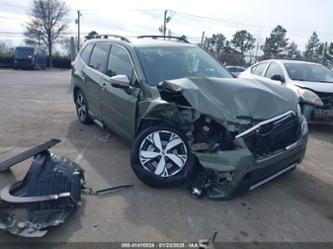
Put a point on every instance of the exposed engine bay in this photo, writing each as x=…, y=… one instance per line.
x=202, y=131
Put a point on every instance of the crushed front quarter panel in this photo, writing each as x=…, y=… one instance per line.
x=236, y=105
x=229, y=100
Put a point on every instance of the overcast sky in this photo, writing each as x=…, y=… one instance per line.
x=130, y=17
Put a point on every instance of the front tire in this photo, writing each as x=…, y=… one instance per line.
x=82, y=108
x=162, y=158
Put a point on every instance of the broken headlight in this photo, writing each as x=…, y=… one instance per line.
x=208, y=131
x=309, y=97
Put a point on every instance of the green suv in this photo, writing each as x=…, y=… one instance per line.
x=183, y=111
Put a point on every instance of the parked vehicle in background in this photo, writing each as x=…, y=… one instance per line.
x=181, y=108
x=29, y=58
x=235, y=70
x=312, y=82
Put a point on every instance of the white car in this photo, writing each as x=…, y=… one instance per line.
x=312, y=82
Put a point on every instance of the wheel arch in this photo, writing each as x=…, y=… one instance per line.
x=151, y=121
x=158, y=115
x=75, y=91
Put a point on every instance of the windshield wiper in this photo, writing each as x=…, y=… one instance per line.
x=321, y=81
x=324, y=81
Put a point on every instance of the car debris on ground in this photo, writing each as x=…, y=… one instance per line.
x=48, y=194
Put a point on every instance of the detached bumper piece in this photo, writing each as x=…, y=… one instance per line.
x=46, y=196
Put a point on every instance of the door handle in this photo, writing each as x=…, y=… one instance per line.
x=83, y=74
x=104, y=83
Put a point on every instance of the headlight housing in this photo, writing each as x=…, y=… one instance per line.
x=309, y=97
x=299, y=110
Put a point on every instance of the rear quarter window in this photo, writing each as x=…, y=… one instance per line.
x=85, y=53
x=259, y=69
x=99, y=56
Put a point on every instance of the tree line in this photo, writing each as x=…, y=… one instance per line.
x=242, y=49
x=49, y=22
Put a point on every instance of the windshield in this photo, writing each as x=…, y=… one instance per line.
x=168, y=63
x=309, y=72
x=23, y=52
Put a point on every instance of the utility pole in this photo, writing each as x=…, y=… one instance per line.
x=39, y=35
x=78, y=29
x=257, y=52
x=202, y=38
x=324, y=53
x=165, y=23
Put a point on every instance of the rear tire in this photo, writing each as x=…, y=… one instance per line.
x=82, y=108
x=162, y=158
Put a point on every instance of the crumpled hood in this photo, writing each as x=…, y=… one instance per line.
x=227, y=99
x=315, y=86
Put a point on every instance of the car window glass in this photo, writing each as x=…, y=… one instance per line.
x=119, y=63
x=99, y=56
x=168, y=63
x=274, y=69
x=253, y=69
x=309, y=72
x=85, y=54
x=259, y=69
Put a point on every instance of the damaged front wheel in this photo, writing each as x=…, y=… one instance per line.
x=161, y=157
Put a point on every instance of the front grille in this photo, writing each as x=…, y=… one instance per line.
x=274, y=136
x=327, y=99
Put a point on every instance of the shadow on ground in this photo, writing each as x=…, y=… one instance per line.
x=322, y=132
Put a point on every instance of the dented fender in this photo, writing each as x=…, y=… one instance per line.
x=159, y=110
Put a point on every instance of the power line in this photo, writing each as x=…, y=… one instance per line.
x=230, y=23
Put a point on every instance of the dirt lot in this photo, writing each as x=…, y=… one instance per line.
x=37, y=106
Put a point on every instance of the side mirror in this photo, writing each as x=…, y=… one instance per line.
x=277, y=77
x=120, y=81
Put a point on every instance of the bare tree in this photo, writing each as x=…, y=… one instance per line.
x=6, y=47
x=47, y=25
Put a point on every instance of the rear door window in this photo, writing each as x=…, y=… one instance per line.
x=259, y=69
x=119, y=63
x=274, y=69
x=99, y=56
x=85, y=54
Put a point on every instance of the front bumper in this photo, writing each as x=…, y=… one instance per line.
x=323, y=114
x=23, y=63
x=245, y=171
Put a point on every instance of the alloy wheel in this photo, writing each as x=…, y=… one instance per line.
x=81, y=107
x=163, y=153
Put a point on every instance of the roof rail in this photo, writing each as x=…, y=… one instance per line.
x=178, y=38
x=106, y=36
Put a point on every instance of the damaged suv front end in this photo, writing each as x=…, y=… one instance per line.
x=243, y=133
